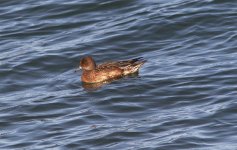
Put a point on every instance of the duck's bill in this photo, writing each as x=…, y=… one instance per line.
x=78, y=69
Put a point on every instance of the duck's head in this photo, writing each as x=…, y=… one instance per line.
x=87, y=63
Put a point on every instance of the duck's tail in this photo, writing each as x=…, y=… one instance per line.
x=134, y=66
x=137, y=59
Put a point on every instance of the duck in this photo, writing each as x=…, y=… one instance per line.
x=92, y=73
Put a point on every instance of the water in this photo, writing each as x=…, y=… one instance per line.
x=183, y=98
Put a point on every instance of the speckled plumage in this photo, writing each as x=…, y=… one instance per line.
x=92, y=73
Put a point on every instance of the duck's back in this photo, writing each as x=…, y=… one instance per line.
x=127, y=66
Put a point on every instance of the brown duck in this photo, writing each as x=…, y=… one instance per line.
x=92, y=73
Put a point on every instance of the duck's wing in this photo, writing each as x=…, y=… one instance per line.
x=123, y=64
